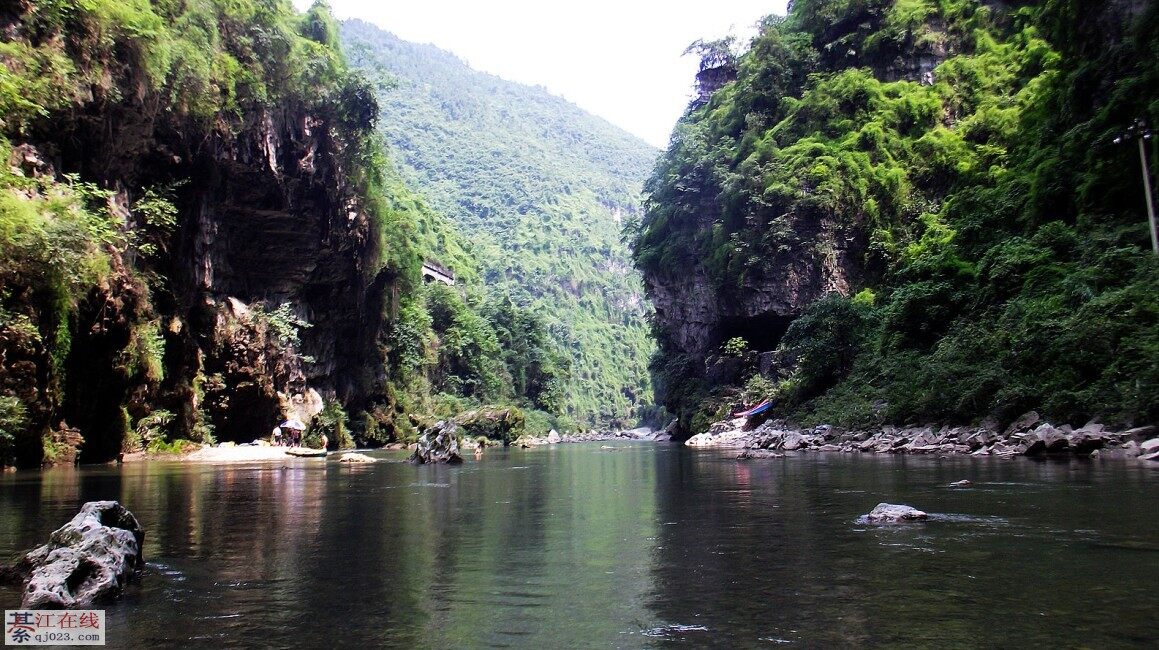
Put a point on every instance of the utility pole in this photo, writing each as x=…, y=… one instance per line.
x=1139, y=131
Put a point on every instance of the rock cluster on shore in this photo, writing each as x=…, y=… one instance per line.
x=554, y=437
x=1029, y=435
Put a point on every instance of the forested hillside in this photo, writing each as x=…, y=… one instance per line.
x=892, y=211
x=201, y=235
x=540, y=189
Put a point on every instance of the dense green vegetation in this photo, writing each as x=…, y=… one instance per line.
x=1002, y=253
x=95, y=312
x=64, y=239
x=539, y=188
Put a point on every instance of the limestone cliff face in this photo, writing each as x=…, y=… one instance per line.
x=696, y=314
x=273, y=221
x=267, y=219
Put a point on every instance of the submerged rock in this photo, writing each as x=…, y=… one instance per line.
x=438, y=445
x=964, y=483
x=355, y=457
x=891, y=513
x=85, y=561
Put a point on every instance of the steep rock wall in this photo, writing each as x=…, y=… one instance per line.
x=266, y=217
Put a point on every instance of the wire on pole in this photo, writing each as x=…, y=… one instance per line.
x=1140, y=132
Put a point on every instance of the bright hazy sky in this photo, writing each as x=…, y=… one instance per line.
x=619, y=59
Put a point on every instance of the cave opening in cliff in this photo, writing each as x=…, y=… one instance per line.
x=762, y=332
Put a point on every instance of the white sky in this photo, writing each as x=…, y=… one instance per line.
x=619, y=59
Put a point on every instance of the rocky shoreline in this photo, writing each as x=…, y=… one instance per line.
x=1029, y=435
x=554, y=437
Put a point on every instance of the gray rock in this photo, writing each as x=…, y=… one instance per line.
x=1150, y=457
x=1131, y=449
x=990, y=423
x=726, y=426
x=1023, y=423
x=1116, y=453
x=768, y=439
x=1002, y=449
x=1094, y=426
x=891, y=513
x=827, y=432
x=1087, y=439
x=438, y=445
x=950, y=435
x=355, y=457
x=553, y=436
x=1149, y=447
x=964, y=483
x=1053, y=439
x=986, y=437
x=793, y=441
x=87, y=560
x=924, y=449
x=1139, y=434
x=922, y=438
x=1033, y=444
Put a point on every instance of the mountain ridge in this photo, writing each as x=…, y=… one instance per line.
x=541, y=189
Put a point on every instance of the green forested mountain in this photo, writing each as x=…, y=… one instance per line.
x=540, y=189
x=912, y=210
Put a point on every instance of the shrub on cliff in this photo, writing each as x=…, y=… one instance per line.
x=497, y=423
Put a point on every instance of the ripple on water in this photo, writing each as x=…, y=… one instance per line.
x=166, y=571
x=674, y=631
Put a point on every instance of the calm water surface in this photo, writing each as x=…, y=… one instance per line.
x=639, y=545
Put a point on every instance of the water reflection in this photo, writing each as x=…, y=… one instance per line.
x=1012, y=562
x=525, y=549
x=629, y=547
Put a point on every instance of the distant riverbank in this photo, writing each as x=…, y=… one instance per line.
x=263, y=451
x=1029, y=435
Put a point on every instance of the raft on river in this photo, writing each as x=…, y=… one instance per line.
x=303, y=452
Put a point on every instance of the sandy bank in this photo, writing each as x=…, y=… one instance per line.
x=237, y=454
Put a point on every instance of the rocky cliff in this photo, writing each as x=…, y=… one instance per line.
x=896, y=204
x=244, y=277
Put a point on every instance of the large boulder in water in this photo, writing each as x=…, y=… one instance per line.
x=888, y=513
x=85, y=561
x=438, y=445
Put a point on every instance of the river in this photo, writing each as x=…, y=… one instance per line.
x=620, y=545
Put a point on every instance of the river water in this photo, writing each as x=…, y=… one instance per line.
x=621, y=545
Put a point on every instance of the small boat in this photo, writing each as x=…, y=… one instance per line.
x=305, y=452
